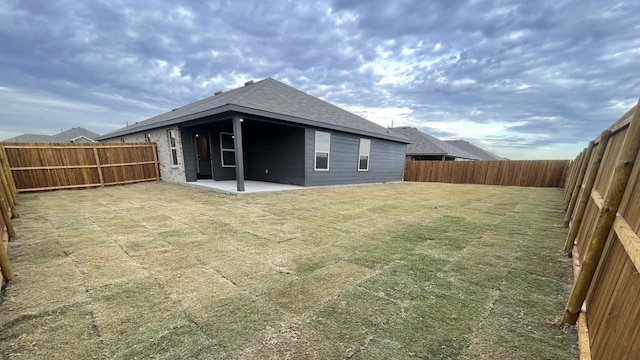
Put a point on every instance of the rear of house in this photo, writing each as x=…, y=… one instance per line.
x=269, y=131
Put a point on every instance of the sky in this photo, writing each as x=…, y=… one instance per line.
x=523, y=79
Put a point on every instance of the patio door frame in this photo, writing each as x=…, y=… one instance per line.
x=197, y=154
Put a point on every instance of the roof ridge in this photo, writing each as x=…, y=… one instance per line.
x=241, y=94
x=271, y=98
x=238, y=91
x=329, y=104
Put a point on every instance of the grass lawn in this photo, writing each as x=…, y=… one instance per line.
x=405, y=270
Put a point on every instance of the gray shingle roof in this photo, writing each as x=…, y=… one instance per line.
x=72, y=134
x=481, y=153
x=269, y=98
x=425, y=144
x=62, y=137
x=29, y=138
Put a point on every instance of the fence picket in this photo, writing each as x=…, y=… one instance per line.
x=537, y=173
x=39, y=167
x=606, y=248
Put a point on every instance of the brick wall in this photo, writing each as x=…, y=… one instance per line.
x=168, y=171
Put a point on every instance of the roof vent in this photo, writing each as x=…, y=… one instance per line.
x=217, y=92
x=248, y=82
x=174, y=109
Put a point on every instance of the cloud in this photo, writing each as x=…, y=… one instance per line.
x=511, y=74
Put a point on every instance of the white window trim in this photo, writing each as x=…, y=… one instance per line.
x=368, y=155
x=222, y=150
x=315, y=152
x=171, y=133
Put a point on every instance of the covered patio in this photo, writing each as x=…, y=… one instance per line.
x=240, y=153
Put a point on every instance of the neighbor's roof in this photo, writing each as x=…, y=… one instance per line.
x=267, y=98
x=62, y=137
x=481, y=153
x=29, y=138
x=425, y=144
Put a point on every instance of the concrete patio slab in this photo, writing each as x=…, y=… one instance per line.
x=250, y=186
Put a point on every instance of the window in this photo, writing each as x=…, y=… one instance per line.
x=323, y=146
x=363, y=155
x=171, y=134
x=227, y=150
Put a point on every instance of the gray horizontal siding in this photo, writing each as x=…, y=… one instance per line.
x=220, y=173
x=189, y=154
x=386, y=161
x=273, y=152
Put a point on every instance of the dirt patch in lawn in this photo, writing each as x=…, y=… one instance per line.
x=406, y=270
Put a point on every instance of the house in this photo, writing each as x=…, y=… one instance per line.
x=268, y=131
x=427, y=147
x=74, y=135
x=480, y=153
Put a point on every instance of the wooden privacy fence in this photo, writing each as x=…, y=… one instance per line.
x=538, y=173
x=602, y=200
x=37, y=167
x=8, y=211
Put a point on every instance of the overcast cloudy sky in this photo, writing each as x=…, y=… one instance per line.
x=524, y=79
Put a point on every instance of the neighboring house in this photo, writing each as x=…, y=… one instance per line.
x=427, y=147
x=480, y=153
x=269, y=131
x=74, y=135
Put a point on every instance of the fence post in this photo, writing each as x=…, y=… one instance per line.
x=570, y=189
x=155, y=158
x=6, y=189
x=6, y=178
x=5, y=264
x=6, y=195
x=575, y=169
x=578, y=184
x=6, y=215
x=5, y=167
x=98, y=165
x=586, y=190
x=619, y=181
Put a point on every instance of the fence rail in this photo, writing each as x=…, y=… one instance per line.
x=39, y=167
x=538, y=173
x=602, y=200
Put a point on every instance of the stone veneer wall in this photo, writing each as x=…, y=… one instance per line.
x=168, y=171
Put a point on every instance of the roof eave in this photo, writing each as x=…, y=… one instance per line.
x=319, y=124
x=249, y=111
